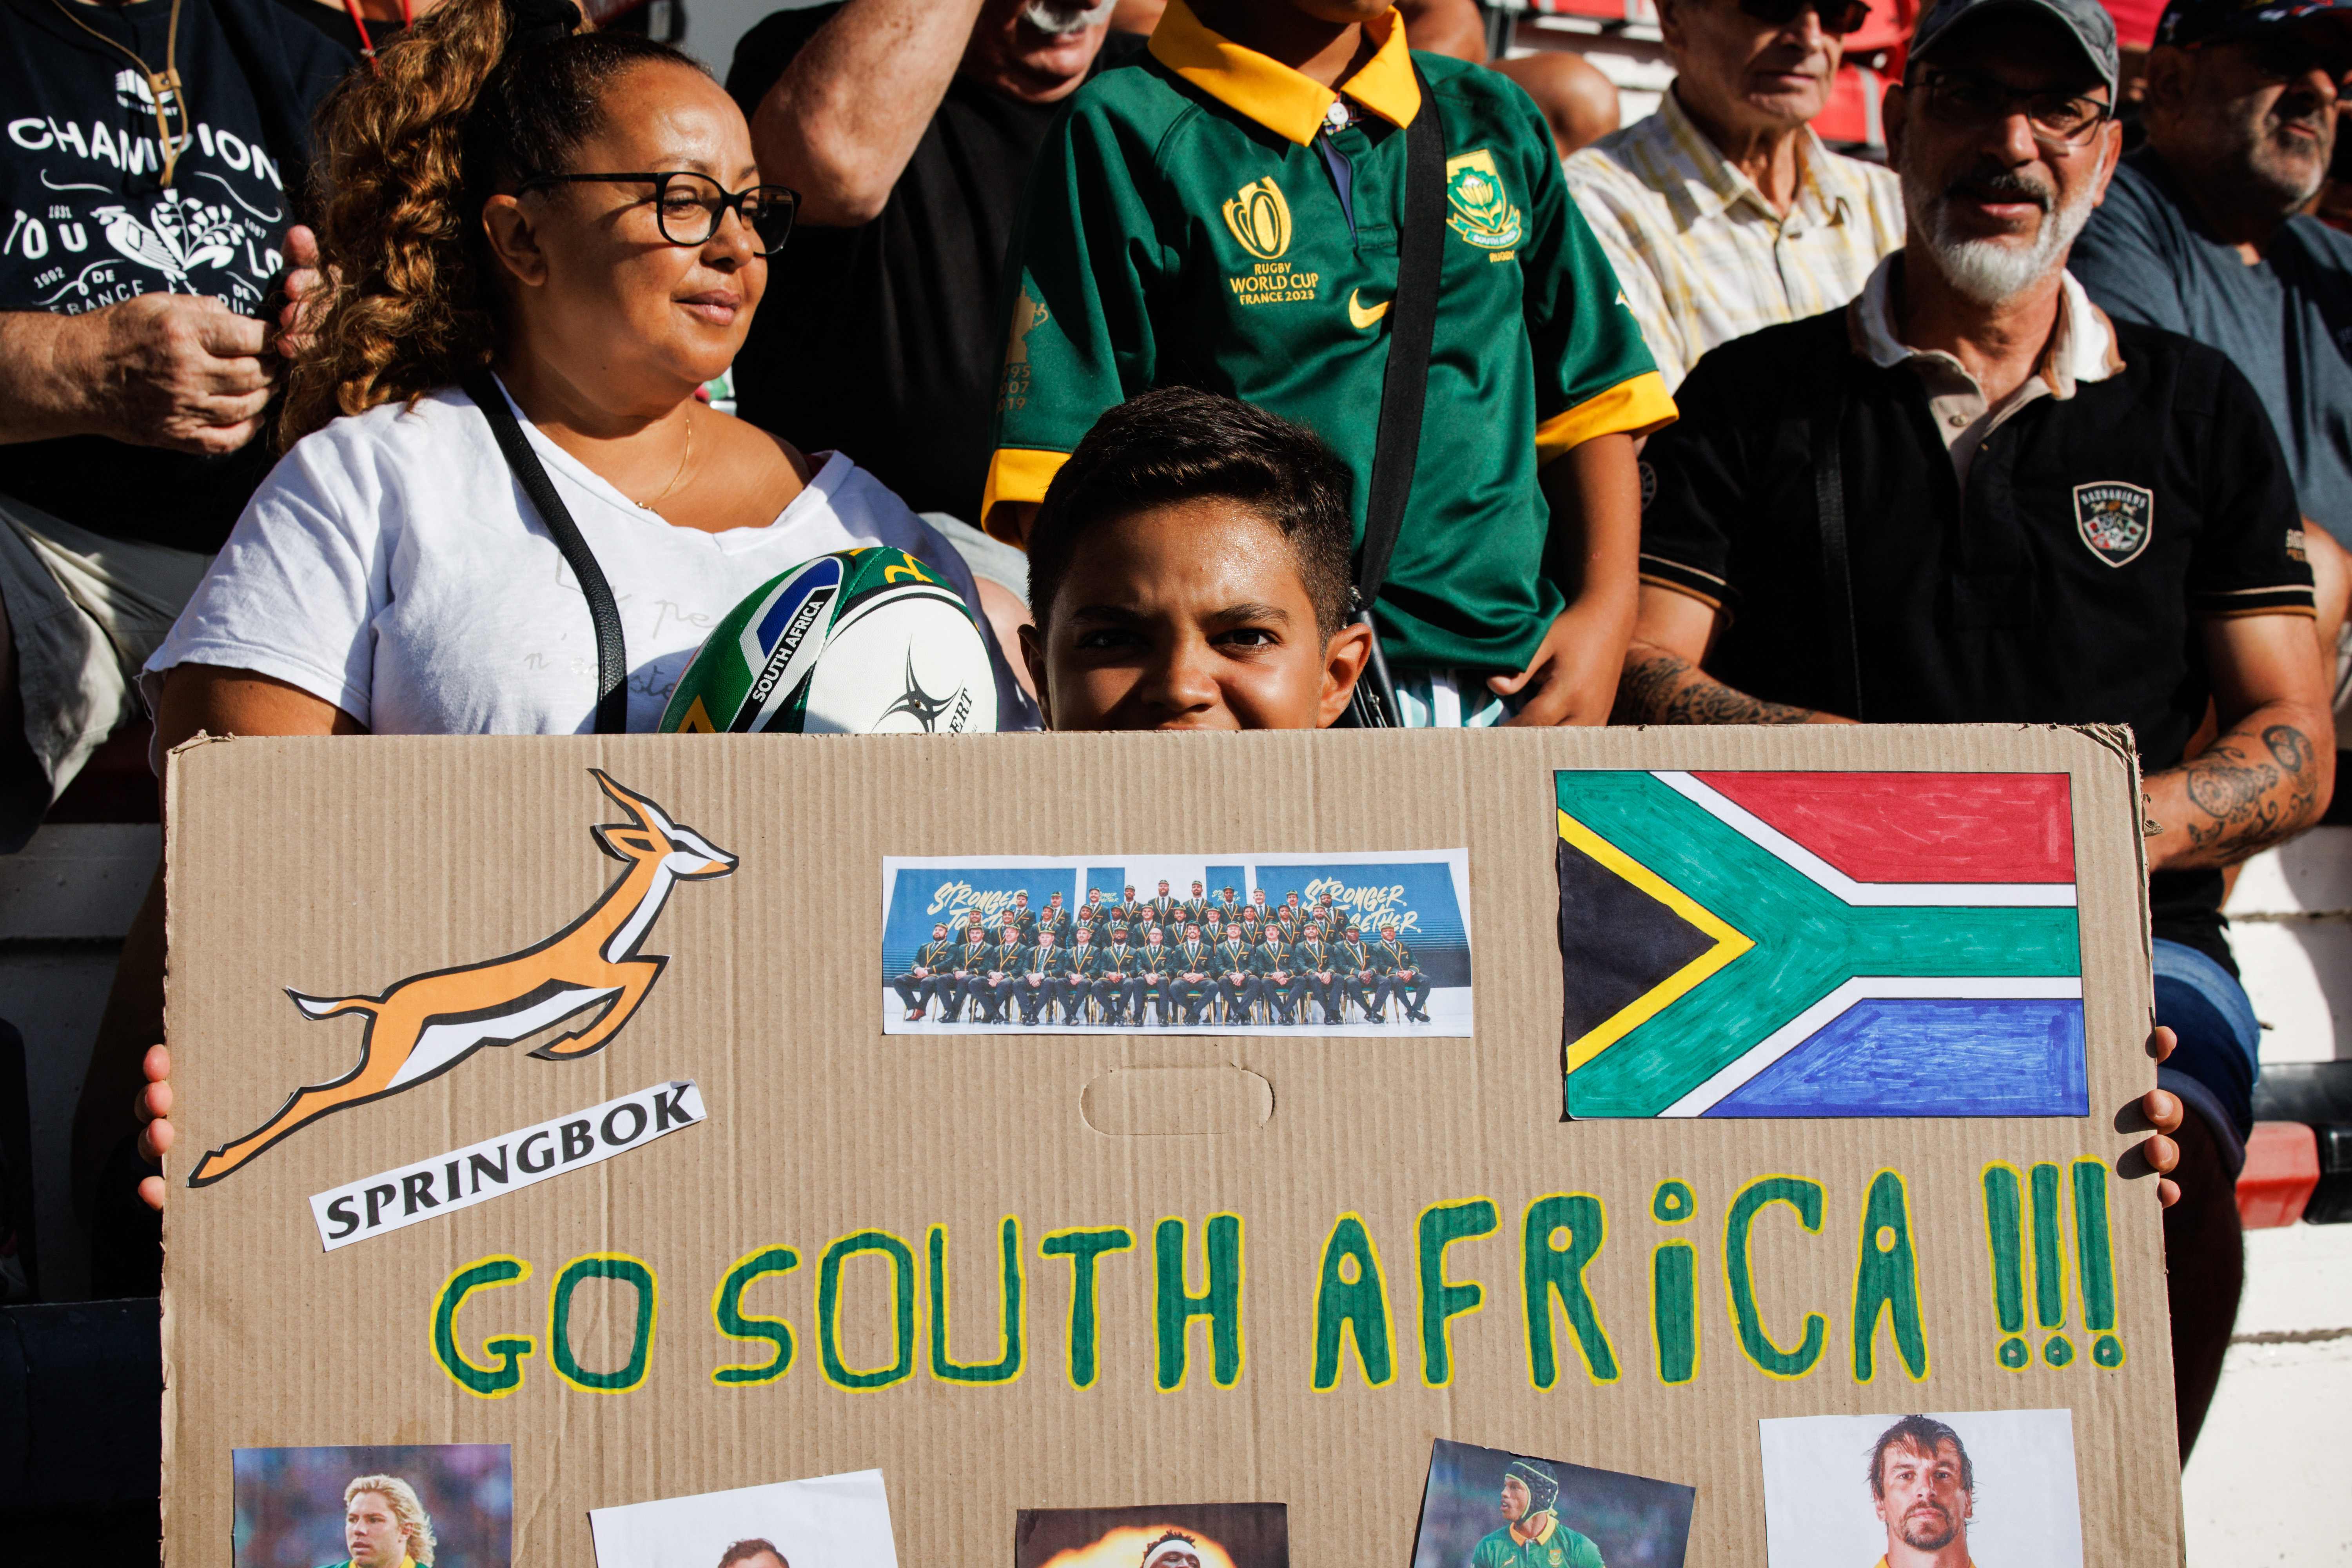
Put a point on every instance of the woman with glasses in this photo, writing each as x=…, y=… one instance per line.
x=522, y=220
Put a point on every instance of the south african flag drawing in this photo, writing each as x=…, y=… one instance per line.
x=1802, y=945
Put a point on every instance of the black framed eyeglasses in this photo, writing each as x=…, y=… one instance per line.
x=1838, y=17
x=688, y=207
x=2061, y=120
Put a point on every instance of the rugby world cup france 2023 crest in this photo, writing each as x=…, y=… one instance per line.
x=859, y=642
x=2116, y=519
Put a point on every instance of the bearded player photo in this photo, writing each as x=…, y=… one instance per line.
x=1921, y=1491
x=1345, y=942
x=1488, y=1508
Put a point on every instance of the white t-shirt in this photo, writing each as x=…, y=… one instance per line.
x=393, y=566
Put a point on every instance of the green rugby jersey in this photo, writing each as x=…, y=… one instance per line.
x=1556, y=1547
x=1202, y=217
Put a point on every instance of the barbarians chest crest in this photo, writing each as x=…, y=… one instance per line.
x=2115, y=519
x=1480, y=209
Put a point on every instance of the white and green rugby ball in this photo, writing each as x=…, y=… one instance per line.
x=859, y=642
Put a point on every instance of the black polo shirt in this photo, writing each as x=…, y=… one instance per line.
x=885, y=341
x=2066, y=585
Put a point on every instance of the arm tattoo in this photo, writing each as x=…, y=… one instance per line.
x=2245, y=800
x=1658, y=688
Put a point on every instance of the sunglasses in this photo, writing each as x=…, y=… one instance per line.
x=689, y=207
x=1838, y=17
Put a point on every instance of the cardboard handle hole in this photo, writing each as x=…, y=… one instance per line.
x=1165, y=1103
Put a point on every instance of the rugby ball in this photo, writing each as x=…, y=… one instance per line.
x=859, y=642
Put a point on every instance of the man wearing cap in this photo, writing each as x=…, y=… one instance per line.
x=2200, y=233
x=1116, y=983
x=1532, y=1535
x=2044, y=517
x=1363, y=973
x=926, y=975
x=1723, y=213
x=1054, y=918
x=1406, y=980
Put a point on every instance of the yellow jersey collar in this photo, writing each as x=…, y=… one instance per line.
x=1280, y=99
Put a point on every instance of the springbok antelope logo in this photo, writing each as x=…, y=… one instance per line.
x=428, y=1024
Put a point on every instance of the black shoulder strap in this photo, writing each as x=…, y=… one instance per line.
x=612, y=654
x=1412, y=325
x=1837, y=572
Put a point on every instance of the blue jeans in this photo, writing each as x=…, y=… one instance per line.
x=2214, y=1067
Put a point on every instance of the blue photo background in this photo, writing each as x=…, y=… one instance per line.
x=1418, y=894
x=289, y=1501
x=1635, y=1522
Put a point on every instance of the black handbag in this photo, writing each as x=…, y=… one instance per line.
x=1404, y=389
x=612, y=653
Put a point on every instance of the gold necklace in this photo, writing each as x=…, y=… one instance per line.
x=683, y=458
x=161, y=87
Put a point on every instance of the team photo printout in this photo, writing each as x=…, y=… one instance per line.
x=1371, y=942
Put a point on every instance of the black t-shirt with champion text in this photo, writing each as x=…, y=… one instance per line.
x=885, y=340
x=2067, y=586
x=86, y=221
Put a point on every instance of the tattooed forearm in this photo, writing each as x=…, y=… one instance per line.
x=2253, y=787
x=1659, y=688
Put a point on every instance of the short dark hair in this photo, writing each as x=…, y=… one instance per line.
x=1927, y=1434
x=1178, y=443
x=744, y=1551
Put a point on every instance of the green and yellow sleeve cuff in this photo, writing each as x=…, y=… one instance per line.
x=1634, y=408
x=1015, y=474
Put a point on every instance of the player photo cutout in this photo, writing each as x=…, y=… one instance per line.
x=1922, y=1491
x=833, y=1521
x=374, y=1507
x=1485, y=1508
x=1190, y=1535
x=1347, y=943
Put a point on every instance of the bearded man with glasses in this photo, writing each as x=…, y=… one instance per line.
x=1722, y=213
x=1971, y=498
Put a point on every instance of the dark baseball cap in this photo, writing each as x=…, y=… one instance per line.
x=2085, y=21
x=2190, y=22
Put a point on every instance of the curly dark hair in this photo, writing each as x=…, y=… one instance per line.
x=1177, y=443
x=408, y=155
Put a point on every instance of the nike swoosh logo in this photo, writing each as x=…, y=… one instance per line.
x=1361, y=316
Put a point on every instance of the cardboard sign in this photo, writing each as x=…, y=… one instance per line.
x=1801, y=1089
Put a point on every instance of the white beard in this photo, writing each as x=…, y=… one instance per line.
x=1990, y=270
x=1063, y=17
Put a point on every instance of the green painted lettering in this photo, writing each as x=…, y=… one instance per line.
x=1359, y=1306
x=603, y=1266
x=1740, y=1275
x=1442, y=1301
x=1887, y=1280
x=1221, y=1302
x=1560, y=1236
x=1082, y=1247
x=726, y=1312
x=1007, y=1365
x=490, y=1382
x=901, y=1258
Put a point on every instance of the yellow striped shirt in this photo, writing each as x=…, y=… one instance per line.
x=1703, y=258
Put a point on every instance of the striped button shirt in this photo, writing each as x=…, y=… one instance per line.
x=1703, y=258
